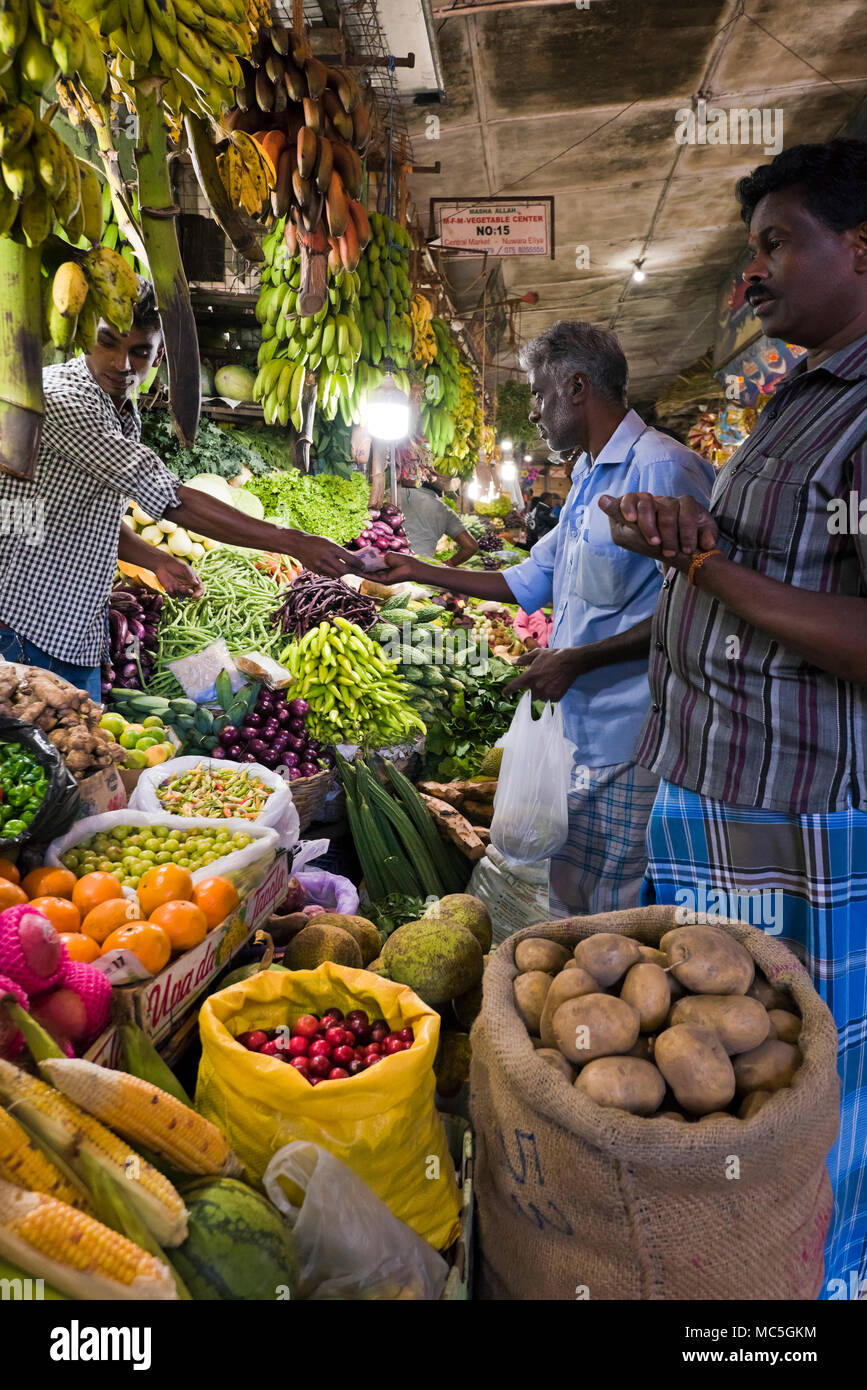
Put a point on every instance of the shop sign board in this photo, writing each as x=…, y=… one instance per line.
x=494, y=226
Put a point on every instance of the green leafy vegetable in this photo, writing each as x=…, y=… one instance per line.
x=217, y=450
x=324, y=505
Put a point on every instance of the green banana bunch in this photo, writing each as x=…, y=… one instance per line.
x=383, y=280
x=43, y=182
x=328, y=343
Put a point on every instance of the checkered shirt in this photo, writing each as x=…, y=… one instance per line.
x=59, y=532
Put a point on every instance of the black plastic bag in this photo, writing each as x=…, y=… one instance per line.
x=61, y=802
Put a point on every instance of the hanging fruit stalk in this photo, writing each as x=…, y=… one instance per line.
x=21, y=399
x=159, y=230
x=97, y=114
x=245, y=242
x=304, y=440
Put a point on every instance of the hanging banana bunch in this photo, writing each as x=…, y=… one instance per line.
x=424, y=343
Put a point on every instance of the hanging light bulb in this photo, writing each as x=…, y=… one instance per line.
x=473, y=488
x=507, y=471
x=388, y=411
x=528, y=458
x=506, y=444
x=638, y=274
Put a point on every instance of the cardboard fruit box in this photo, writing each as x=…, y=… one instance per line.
x=159, y=1003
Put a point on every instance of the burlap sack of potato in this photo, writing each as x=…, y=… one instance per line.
x=576, y=1201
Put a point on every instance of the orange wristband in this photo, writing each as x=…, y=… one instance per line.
x=697, y=562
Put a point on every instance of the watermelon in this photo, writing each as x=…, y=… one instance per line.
x=235, y=383
x=238, y=1246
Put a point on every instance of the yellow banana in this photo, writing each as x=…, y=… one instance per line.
x=67, y=204
x=69, y=288
x=93, y=71
x=134, y=14
x=51, y=168
x=141, y=42
x=8, y=209
x=60, y=327
x=88, y=321
x=114, y=286
x=164, y=17
x=167, y=47
x=91, y=203
x=19, y=174
x=36, y=217
x=13, y=26
x=16, y=128
x=195, y=45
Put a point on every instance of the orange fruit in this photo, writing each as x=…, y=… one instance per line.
x=80, y=948
x=217, y=897
x=93, y=889
x=8, y=870
x=63, y=915
x=145, y=939
x=164, y=883
x=183, y=923
x=106, y=917
x=49, y=882
x=10, y=894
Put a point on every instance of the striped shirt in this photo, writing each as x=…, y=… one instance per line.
x=736, y=716
x=55, y=582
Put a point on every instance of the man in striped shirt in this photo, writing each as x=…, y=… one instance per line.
x=758, y=670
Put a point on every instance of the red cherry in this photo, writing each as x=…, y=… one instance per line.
x=406, y=1035
x=300, y=1064
x=306, y=1027
x=357, y=1016
x=320, y=1048
x=319, y=1066
x=379, y=1032
x=357, y=1066
x=348, y=1038
x=338, y=1074
x=343, y=1055
x=334, y=1036
x=299, y=1047
x=332, y=1016
x=254, y=1040
x=373, y=1059
x=269, y=1049
x=373, y=1050
x=393, y=1044
x=314, y=1080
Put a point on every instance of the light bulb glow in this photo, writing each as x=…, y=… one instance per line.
x=507, y=471
x=638, y=275
x=528, y=458
x=388, y=411
x=505, y=443
x=473, y=489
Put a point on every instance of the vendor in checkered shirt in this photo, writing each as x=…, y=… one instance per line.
x=758, y=667
x=61, y=533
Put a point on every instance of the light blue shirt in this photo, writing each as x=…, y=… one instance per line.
x=598, y=589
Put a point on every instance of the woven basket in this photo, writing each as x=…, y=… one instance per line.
x=309, y=795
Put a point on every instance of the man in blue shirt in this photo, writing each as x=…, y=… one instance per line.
x=603, y=598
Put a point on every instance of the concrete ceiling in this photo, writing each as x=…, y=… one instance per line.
x=581, y=103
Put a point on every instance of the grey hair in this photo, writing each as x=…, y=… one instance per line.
x=570, y=346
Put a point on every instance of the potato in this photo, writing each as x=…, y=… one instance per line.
x=739, y=1023
x=752, y=1104
x=765, y=992
x=696, y=1067
x=623, y=1083
x=569, y=984
x=555, y=1059
x=643, y=1048
x=708, y=961
x=607, y=956
x=716, y=1115
x=670, y=1115
x=538, y=954
x=650, y=956
x=646, y=989
x=570, y=965
x=530, y=992
x=786, y=1026
x=595, y=1025
x=768, y=1067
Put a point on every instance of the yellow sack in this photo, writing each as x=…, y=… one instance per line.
x=381, y=1123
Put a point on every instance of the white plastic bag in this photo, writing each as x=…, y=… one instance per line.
x=531, y=812
x=197, y=674
x=350, y=1246
x=244, y=866
x=279, y=811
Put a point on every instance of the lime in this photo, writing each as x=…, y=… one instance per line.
x=135, y=759
x=113, y=723
x=142, y=744
x=128, y=738
x=153, y=721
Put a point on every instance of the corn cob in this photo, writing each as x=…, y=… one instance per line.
x=25, y=1165
x=69, y=1130
x=75, y=1253
x=145, y=1115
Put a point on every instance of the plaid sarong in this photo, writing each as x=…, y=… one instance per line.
x=802, y=878
x=601, y=866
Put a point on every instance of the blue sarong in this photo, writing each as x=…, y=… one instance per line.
x=808, y=879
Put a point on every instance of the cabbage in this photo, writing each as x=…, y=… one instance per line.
x=249, y=504
x=214, y=486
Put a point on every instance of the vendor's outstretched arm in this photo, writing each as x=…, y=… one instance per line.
x=475, y=583
x=199, y=512
x=173, y=573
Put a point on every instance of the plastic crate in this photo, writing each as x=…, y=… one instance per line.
x=459, y=1284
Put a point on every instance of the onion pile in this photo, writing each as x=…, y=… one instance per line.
x=133, y=620
x=275, y=735
x=384, y=531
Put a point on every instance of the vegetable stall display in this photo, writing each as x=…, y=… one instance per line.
x=23, y=784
